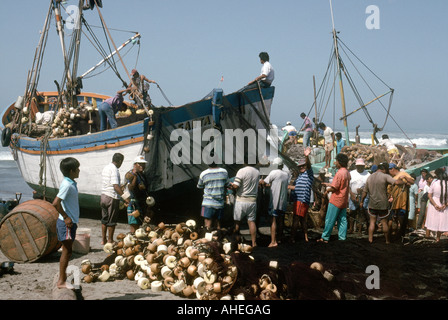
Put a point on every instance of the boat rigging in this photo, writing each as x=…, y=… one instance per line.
x=338, y=71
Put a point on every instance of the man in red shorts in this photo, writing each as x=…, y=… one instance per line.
x=302, y=192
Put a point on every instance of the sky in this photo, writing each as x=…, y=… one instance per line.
x=187, y=47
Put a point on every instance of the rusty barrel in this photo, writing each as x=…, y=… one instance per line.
x=28, y=232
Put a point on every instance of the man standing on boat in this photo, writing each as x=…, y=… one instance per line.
x=109, y=108
x=307, y=129
x=329, y=143
x=267, y=72
x=392, y=149
x=139, y=87
x=292, y=132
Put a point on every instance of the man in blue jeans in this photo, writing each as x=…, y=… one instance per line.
x=109, y=108
x=307, y=130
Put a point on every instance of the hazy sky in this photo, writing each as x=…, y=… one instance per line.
x=187, y=46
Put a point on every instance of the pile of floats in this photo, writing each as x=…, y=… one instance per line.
x=175, y=259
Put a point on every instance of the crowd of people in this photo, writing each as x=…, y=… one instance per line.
x=385, y=199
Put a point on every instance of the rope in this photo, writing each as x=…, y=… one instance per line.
x=43, y=161
x=164, y=95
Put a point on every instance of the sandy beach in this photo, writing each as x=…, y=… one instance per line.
x=413, y=270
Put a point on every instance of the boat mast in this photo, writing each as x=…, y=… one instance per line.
x=74, y=85
x=341, y=86
x=60, y=29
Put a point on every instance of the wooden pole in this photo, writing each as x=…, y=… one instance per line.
x=315, y=134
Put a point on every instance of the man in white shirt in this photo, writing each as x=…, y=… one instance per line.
x=267, y=74
x=358, y=179
x=246, y=186
x=277, y=181
x=292, y=132
x=110, y=198
x=391, y=147
x=329, y=143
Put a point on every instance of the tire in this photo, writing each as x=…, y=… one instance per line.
x=6, y=137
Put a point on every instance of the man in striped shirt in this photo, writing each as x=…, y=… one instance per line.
x=214, y=181
x=302, y=194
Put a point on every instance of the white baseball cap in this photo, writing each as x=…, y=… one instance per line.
x=140, y=159
x=288, y=123
x=277, y=161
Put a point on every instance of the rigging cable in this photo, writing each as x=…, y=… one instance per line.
x=392, y=90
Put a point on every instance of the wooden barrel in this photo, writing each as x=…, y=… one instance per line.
x=28, y=232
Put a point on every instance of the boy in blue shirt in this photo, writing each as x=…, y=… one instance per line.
x=340, y=143
x=67, y=204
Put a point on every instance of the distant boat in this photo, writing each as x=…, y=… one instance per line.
x=337, y=72
x=38, y=147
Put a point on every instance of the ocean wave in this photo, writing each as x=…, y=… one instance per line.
x=5, y=155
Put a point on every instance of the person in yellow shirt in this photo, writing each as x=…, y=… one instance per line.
x=399, y=197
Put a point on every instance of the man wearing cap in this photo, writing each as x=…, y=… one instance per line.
x=400, y=199
x=110, y=197
x=307, y=130
x=302, y=195
x=140, y=88
x=376, y=187
x=358, y=179
x=292, y=132
x=137, y=186
x=277, y=181
x=109, y=108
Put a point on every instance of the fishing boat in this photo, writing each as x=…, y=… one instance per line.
x=342, y=61
x=38, y=146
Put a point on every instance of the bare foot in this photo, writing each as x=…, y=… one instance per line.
x=65, y=285
x=272, y=245
x=322, y=240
